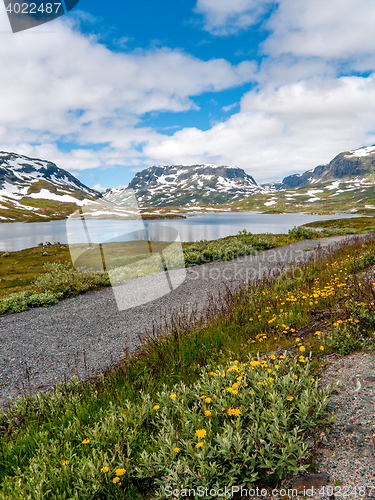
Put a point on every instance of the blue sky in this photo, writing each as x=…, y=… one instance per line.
x=116, y=86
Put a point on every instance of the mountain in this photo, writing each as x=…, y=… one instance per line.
x=182, y=185
x=347, y=183
x=34, y=190
x=349, y=164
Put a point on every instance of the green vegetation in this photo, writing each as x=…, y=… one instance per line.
x=42, y=276
x=327, y=200
x=354, y=225
x=36, y=210
x=241, y=380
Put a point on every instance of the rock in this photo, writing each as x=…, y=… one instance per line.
x=56, y=243
x=47, y=244
x=311, y=481
x=45, y=253
x=40, y=244
x=6, y=254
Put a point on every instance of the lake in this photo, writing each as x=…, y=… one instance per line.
x=19, y=235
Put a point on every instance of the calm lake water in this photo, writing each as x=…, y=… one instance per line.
x=209, y=226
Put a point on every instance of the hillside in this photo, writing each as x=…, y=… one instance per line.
x=347, y=183
x=35, y=190
x=187, y=185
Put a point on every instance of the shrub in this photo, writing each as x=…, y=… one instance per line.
x=237, y=424
x=66, y=281
x=21, y=301
x=251, y=419
x=301, y=233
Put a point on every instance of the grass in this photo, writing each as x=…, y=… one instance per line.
x=293, y=200
x=36, y=210
x=29, y=278
x=241, y=380
x=356, y=224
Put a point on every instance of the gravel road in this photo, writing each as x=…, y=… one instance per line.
x=85, y=335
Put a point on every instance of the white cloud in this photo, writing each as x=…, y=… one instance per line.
x=224, y=17
x=61, y=84
x=281, y=130
x=337, y=29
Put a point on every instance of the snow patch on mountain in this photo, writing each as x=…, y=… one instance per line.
x=365, y=151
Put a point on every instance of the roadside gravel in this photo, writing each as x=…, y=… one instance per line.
x=85, y=335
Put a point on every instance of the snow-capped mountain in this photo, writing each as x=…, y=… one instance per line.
x=349, y=164
x=347, y=183
x=187, y=185
x=34, y=189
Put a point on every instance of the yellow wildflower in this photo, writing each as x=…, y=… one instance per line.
x=104, y=469
x=85, y=441
x=176, y=450
x=115, y=480
x=302, y=348
x=120, y=472
x=208, y=400
x=207, y=413
x=200, y=433
x=173, y=396
x=290, y=398
x=199, y=445
x=156, y=407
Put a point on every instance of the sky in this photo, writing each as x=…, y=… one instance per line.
x=116, y=86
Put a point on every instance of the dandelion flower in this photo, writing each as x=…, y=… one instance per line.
x=208, y=400
x=207, y=413
x=120, y=472
x=302, y=348
x=321, y=348
x=173, y=396
x=199, y=445
x=115, y=479
x=104, y=469
x=177, y=449
x=200, y=433
x=156, y=407
x=85, y=441
x=65, y=462
x=290, y=398
x=273, y=356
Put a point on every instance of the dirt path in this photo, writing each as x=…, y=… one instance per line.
x=86, y=334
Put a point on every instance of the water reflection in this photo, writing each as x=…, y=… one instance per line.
x=19, y=235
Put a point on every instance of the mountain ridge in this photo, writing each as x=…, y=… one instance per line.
x=163, y=185
x=32, y=189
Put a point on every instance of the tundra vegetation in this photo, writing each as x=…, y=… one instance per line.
x=42, y=276
x=232, y=396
